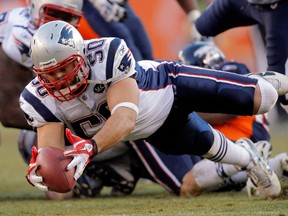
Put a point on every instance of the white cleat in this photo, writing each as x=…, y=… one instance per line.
x=258, y=171
x=281, y=165
x=278, y=80
x=264, y=148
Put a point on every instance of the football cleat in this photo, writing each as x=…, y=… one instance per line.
x=264, y=148
x=281, y=168
x=278, y=80
x=259, y=173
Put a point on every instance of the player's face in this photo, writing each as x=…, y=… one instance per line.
x=61, y=76
x=52, y=13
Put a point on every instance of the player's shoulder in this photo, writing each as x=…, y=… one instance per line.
x=34, y=92
x=105, y=44
x=17, y=16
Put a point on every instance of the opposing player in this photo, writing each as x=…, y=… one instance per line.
x=106, y=97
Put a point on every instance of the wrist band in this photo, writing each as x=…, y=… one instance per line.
x=126, y=104
x=95, y=147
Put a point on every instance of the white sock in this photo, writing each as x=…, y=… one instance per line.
x=210, y=175
x=225, y=151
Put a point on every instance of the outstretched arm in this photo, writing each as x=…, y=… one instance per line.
x=122, y=119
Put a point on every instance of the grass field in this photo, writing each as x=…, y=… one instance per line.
x=17, y=197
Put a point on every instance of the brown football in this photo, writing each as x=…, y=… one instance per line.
x=52, y=166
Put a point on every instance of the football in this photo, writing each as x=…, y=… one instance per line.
x=52, y=166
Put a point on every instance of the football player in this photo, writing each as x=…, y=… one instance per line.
x=97, y=90
x=222, y=15
x=16, y=30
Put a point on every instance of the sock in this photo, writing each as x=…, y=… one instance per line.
x=225, y=151
x=210, y=175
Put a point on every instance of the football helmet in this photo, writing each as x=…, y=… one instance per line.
x=202, y=54
x=43, y=11
x=57, y=52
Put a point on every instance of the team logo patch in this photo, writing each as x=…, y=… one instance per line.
x=66, y=36
x=125, y=63
x=23, y=49
x=99, y=88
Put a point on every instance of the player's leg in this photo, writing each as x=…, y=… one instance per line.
x=222, y=15
x=166, y=170
x=220, y=92
x=139, y=34
x=276, y=32
x=196, y=137
x=211, y=176
x=110, y=29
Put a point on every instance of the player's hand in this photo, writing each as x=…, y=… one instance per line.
x=31, y=176
x=82, y=152
x=110, y=10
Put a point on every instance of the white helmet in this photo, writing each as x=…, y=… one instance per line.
x=43, y=11
x=57, y=52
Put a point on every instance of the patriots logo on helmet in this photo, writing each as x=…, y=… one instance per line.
x=125, y=63
x=66, y=36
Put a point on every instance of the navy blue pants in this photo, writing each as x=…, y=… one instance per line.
x=130, y=29
x=197, y=89
x=222, y=15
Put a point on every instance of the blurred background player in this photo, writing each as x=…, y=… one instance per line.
x=222, y=15
x=116, y=18
x=17, y=27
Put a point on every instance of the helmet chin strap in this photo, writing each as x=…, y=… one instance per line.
x=104, y=82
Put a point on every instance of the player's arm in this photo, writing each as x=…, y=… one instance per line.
x=122, y=99
x=191, y=8
x=188, y=5
x=51, y=134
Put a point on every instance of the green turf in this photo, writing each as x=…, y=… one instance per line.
x=17, y=197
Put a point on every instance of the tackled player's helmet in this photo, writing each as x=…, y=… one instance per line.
x=57, y=52
x=202, y=54
x=43, y=11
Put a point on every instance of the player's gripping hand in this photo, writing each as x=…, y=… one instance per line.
x=31, y=176
x=82, y=152
x=110, y=10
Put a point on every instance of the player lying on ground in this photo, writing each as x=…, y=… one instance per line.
x=104, y=96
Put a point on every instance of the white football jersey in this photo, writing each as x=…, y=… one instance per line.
x=16, y=32
x=110, y=61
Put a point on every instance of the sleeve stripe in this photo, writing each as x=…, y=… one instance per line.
x=46, y=114
x=110, y=59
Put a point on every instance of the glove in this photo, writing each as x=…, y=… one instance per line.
x=110, y=10
x=82, y=152
x=31, y=176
